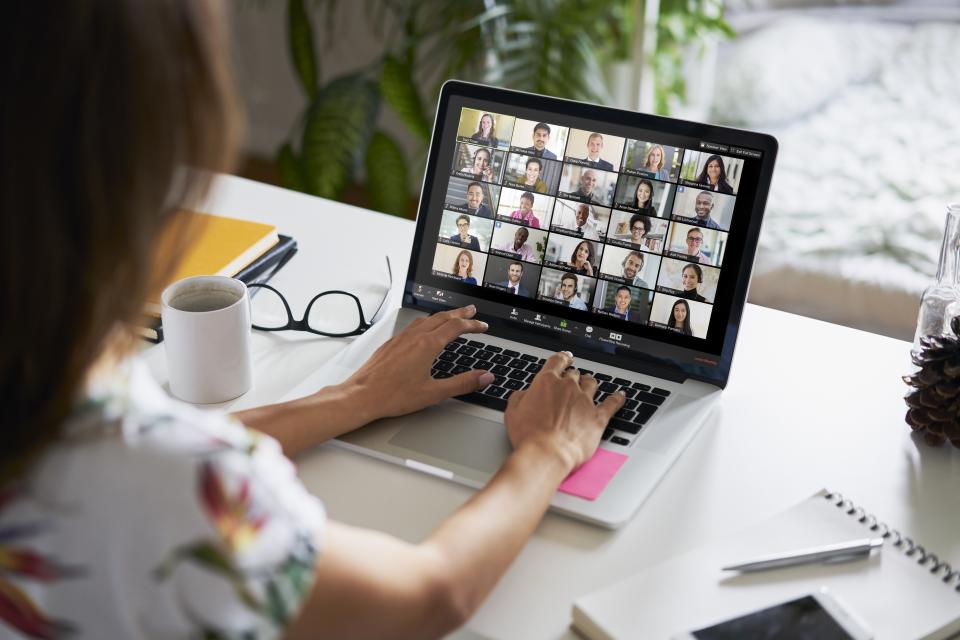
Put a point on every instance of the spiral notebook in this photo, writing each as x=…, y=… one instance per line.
x=904, y=591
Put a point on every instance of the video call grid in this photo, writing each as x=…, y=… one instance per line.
x=496, y=168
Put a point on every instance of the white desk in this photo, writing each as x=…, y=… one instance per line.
x=809, y=405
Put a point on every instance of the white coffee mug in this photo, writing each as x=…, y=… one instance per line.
x=206, y=330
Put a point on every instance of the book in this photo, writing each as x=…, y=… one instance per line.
x=904, y=591
x=261, y=270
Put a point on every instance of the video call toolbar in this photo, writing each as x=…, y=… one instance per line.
x=631, y=229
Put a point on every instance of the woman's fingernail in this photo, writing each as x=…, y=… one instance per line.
x=483, y=325
x=569, y=355
x=621, y=393
x=471, y=309
x=486, y=378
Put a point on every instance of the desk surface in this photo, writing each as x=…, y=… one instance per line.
x=809, y=405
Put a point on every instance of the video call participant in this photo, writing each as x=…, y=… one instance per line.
x=567, y=292
x=512, y=283
x=525, y=212
x=463, y=267
x=583, y=257
x=714, y=175
x=642, y=199
x=541, y=137
x=519, y=246
x=690, y=278
x=621, y=303
x=486, y=131
x=586, y=223
x=588, y=185
x=480, y=168
x=680, y=317
x=703, y=206
x=531, y=176
x=463, y=237
x=654, y=163
x=639, y=228
x=475, y=205
x=594, y=147
x=632, y=265
x=694, y=244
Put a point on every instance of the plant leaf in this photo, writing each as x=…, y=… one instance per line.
x=289, y=167
x=387, y=175
x=399, y=90
x=301, y=46
x=335, y=133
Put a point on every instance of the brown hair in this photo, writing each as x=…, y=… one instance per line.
x=456, y=263
x=110, y=104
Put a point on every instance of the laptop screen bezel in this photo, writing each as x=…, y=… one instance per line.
x=718, y=370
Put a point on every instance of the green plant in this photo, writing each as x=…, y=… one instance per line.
x=554, y=47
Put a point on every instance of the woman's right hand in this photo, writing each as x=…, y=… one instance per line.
x=557, y=412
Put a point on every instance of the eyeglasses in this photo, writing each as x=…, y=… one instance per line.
x=335, y=313
x=694, y=240
x=636, y=229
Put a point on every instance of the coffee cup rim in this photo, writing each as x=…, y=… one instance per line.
x=232, y=283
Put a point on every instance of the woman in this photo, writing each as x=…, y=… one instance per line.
x=643, y=198
x=680, y=317
x=582, y=258
x=463, y=267
x=639, y=228
x=714, y=175
x=486, y=131
x=690, y=278
x=531, y=176
x=480, y=168
x=144, y=517
x=654, y=163
x=525, y=213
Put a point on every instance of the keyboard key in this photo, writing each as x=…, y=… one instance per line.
x=649, y=397
x=513, y=384
x=501, y=370
x=607, y=387
x=585, y=372
x=452, y=346
x=542, y=361
x=641, y=387
x=459, y=369
x=602, y=376
x=528, y=357
x=534, y=368
x=460, y=340
x=623, y=382
x=623, y=425
x=631, y=404
x=494, y=391
x=644, y=411
x=512, y=354
x=466, y=361
x=606, y=434
x=493, y=348
x=443, y=365
x=509, y=393
x=474, y=343
x=483, y=354
x=499, y=380
x=466, y=350
x=628, y=392
x=501, y=359
x=441, y=374
x=517, y=374
x=517, y=363
x=483, y=364
x=619, y=440
x=601, y=397
x=448, y=356
x=660, y=392
x=625, y=414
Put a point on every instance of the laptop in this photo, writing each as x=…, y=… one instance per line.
x=625, y=238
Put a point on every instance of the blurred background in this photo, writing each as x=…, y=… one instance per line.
x=864, y=98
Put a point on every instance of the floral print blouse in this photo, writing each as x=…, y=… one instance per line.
x=153, y=519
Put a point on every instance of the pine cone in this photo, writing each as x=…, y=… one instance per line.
x=934, y=401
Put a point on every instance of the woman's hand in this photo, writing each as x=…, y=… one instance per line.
x=396, y=379
x=588, y=267
x=557, y=412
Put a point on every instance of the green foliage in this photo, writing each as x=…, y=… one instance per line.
x=399, y=90
x=387, y=175
x=302, y=54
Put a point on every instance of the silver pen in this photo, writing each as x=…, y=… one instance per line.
x=828, y=553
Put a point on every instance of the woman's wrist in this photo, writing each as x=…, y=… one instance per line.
x=547, y=455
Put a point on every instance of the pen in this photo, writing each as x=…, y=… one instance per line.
x=838, y=552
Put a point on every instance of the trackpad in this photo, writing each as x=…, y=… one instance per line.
x=456, y=437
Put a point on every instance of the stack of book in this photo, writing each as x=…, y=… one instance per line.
x=249, y=251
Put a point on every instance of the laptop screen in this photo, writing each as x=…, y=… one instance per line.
x=619, y=236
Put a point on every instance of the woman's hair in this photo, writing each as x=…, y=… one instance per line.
x=484, y=150
x=672, y=322
x=590, y=250
x=643, y=220
x=493, y=126
x=646, y=163
x=456, y=263
x=636, y=198
x=721, y=180
x=109, y=105
x=697, y=269
x=535, y=161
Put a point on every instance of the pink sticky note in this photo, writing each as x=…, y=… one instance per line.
x=591, y=479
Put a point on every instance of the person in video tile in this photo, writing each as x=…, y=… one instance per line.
x=586, y=224
x=463, y=237
x=639, y=228
x=531, y=176
x=621, y=303
x=588, y=182
x=694, y=243
x=525, y=212
x=654, y=163
x=567, y=292
x=632, y=265
x=583, y=258
x=715, y=175
x=703, y=206
x=480, y=168
x=594, y=147
x=690, y=278
x=486, y=131
x=519, y=246
x=541, y=137
x=680, y=317
x=643, y=198
x=475, y=205
x=512, y=283
x=463, y=267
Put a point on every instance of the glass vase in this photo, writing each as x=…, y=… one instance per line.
x=941, y=300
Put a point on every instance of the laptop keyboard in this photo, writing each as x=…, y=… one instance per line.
x=514, y=371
